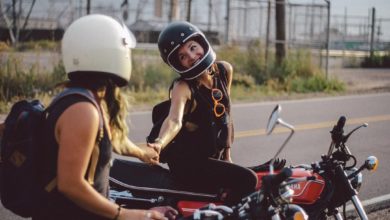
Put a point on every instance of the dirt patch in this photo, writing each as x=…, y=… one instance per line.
x=363, y=80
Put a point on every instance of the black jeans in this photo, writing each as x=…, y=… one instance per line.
x=209, y=175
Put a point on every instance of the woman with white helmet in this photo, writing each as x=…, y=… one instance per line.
x=198, y=149
x=81, y=133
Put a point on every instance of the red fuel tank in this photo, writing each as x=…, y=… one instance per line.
x=306, y=192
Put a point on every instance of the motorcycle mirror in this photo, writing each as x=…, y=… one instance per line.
x=273, y=119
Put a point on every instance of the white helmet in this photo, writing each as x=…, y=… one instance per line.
x=98, y=45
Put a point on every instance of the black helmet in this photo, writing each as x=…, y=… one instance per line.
x=175, y=35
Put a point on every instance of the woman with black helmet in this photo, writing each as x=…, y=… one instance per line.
x=82, y=132
x=197, y=149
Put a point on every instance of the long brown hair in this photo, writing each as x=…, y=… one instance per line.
x=117, y=108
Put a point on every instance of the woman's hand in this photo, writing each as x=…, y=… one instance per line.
x=156, y=146
x=150, y=156
x=127, y=214
x=168, y=211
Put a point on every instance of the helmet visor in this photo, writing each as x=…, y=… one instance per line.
x=173, y=57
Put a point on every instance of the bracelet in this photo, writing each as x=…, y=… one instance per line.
x=158, y=141
x=118, y=213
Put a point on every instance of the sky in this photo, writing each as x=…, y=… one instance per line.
x=355, y=7
x=358, y=12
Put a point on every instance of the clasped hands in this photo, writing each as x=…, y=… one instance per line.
x=151, y=153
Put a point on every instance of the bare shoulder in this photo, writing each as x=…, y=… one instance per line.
x=229, y=72
x=227, y=65
x=83, y=114
x=182, y=90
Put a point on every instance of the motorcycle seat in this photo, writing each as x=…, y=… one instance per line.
x=151, y=180
x=278, y=165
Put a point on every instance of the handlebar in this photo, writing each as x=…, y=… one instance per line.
x=338, y=131
x=272, y=182
x=280, y=177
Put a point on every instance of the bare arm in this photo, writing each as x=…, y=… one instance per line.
x=229, y=71
x=173, y=123
x=146, y=154
x=2, y=126
x=75, y=147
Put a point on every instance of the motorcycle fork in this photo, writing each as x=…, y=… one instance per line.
x=350, y=192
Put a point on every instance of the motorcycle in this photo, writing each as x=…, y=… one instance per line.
x=272, y=201
x=339, y=178
x=320, y=188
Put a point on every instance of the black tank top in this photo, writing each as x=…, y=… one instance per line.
x=210, y=135
x=54, y=204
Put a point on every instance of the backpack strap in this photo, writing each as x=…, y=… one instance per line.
x=96, y=151
x=82, y=92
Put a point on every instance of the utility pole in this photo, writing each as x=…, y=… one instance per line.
x=189, y=10
x=280, y=17
x=372, y=34
x=88, y=7
x=174, y=14
x=227, y=18
x=209, y=17
x=327, y=39
x=267, y=35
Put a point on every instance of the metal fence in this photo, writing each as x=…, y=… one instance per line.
x=230, y=21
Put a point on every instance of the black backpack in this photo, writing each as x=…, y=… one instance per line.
x=20, y=146
x=160, y=111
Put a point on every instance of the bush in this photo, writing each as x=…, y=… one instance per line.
x=18, y=83
x=243, y=80
x=377, y=61
x=150, y=72
x=40, y=45
x=316, y=83
x=159, y=76
x=151, y=77
x=4, y=46
x=249, y=62
x=255, y=64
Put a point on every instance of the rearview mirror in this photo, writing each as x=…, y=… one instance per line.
x=273, y=119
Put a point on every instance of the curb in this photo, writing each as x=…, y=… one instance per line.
x=370, y=205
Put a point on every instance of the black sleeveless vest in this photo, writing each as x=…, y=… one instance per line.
x=55, y=205
x=211, y=133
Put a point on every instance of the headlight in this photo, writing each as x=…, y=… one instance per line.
x=357, y=181
x=300, y=216
x=295, y=212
